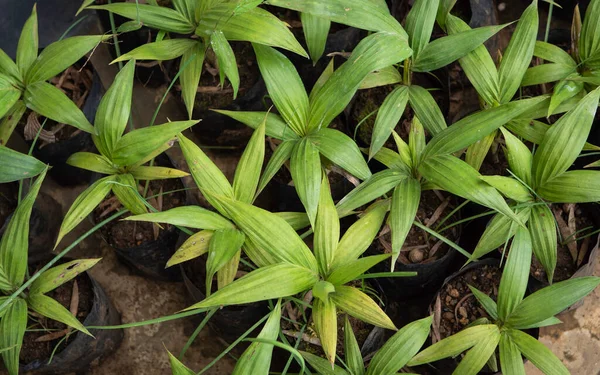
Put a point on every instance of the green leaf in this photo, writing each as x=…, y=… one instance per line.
x=361, y=306
x=50, y=308
x=519, y=157
x=543, y=238
x=48, y=101
x=15, y=166
x=551, y=300
x=371, y=189
x=419, y=24
x=247, y=172
x=447, y=49
x=15, y=240
x=187, y=216
x=206, y=174
x=257, y=358
x=224, y=245
x=589, y=39
x=498, y=231
x=374, y=52
x=167, y=49
x=61, y=274
x=187, y=8
x=323, y=366
x=478, y=356
x=60, y=55
x=455, y=344
x=27, y=49
x=352, y=352
x=256, y=25
x=564, y=140
x=9, y=94
x=327, y=228
x=160, y=18
x=350, y=270
x=270, y=233
x=138, y=144
x=546, y=73
x=391, y=159
x=8, y=67
x=477, y=152
x=325, y=317
x=297, y=220
x=226, y=60
x=537, y=353
x=282, y=153
x=85, y=203
x=552, y=53
x=126, y=190
x=92, y=162
x=472, y=128
x=388, y=116
x=515, y=275
x=305, y=166
x=400, y=348
x=563, y=90
x=285, y=87
x=459, y=178
x=156, y=173
x=258, y=255
x=269, y=282
x=190, y=75
x=276, y=127
x=341, y=150
x=509, y=187
x=382, y=77
x=359, y=237
x=544, y=323
x=486, y=302
x=193, y=247
x=511, y=361
x=114, y=111
x=572, y=187
x=10, y=121
x=518, y=54
x=356, y=13
x=177, y=367
x=13, y=325
x=534, y=132
x=427, y=110
x=416, y=140
x=478, y=65
x=405, y=203
x=316, y=30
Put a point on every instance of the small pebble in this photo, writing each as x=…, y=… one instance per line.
x=448, y=315
x=454, y=293
x=138, y=236
x=416, y=256
x=501, y=7
x=464, y=321
x=463, y=312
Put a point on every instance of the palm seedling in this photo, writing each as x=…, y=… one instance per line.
x=542, y=178
x=13, y=270
x=302, y=125
x=209, y=24
x=509, y=317
x=23, y=86
x=574, y=72
x=122, y=157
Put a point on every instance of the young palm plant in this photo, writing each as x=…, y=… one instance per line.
x=302, y=125
x=287, y=266
x=122, y=157
x=541, y=179
x=427, y=56
x=13, y=271
x=212, y=24
x=23, y=85
x=577, y=71
x=509, y=316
